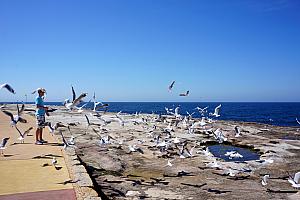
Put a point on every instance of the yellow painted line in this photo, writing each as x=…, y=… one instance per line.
x=19, y=176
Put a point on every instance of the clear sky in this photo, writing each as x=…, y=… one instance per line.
x=233, y=50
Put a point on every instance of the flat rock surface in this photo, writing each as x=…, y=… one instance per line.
x=119, y=173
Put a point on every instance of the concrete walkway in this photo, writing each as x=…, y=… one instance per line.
x=26, y=171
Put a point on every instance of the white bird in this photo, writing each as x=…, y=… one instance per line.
x=169, y=163
x=295, y=181
x=217, y=111
x=176, y=140
x=202, y=122
x=237, y=131
x=214, y=164
x=22, y=135
x=202, y=111
x=2, y=144
x=54, y=161
x=16, y=118
x=171, y=86
x=8, y=87
x=219, y=136
x=297, y=121
x=72, y=140
x=233, y=154
x=75, y=101
x=80, y=109
x=264, y=181
x=98, y=104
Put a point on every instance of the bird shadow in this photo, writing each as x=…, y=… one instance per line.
x=8, y=155
x=16, y=143
x=54, y=144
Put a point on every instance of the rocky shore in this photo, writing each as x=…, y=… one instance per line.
x=149, y=157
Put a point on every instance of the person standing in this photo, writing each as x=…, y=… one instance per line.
x=40, y=115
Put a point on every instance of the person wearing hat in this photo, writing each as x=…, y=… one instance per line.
x=40, y=115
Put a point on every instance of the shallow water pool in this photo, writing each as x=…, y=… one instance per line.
x=219, y=151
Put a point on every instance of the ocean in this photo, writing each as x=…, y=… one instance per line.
x=281, y=114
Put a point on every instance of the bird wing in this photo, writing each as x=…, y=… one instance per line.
x=27, y=131
x=77, y=101
x=87, y=119
x=22, y=120
x=171, y=86
x=63, y=138
x=8, y=87
x=297, y=121
x=22, y=109
x=9, y=114
x=22, y=135
x=296, y=177
x=217, y=109
x=73, y=94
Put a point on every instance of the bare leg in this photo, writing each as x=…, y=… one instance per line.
x=41, y=134
x=37, y=133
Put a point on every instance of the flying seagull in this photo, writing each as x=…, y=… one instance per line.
x=75, y=101
x=2, y=145
x=22, y=135
x=184, y=94
x=217, y=111
x=171, y=86
x=8, y=87
x=17, y=118
x=202, y=111
x=98, y=104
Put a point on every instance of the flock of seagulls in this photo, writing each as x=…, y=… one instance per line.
x=163, y=139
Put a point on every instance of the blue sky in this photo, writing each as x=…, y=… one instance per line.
x=132, y=50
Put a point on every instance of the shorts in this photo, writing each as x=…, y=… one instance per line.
x=40, y=121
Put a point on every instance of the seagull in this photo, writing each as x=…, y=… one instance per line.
x=237, y=131
x=213, y=165
x=184, y=94
x=169, y=163
x=75, y=101
x=72, y=140
x=22, y=135
x=171, y=86
x=98, y=104
x=265, y=179
x=8, y=87
x=219, y=136
x=80, y=109
x=202, y=111
x=295, y=181
x=233, y=154
x=217, y=110
x=54, y=163
x=2, y=144
x=16, y=118
x=66, y=144
x=297, y=121
x=202, y=122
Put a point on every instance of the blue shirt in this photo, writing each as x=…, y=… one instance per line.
x=39, y=102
